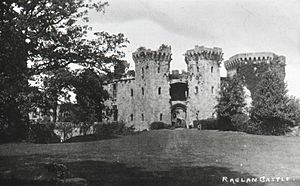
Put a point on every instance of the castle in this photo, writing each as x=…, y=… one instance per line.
x=153, y=94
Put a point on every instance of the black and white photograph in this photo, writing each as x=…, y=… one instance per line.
x=149, y=93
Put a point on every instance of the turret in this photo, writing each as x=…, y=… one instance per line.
x=251, y=65
x=152, y=85
x=203, y=81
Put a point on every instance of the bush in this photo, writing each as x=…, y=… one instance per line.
x=113, y=128
x=65, y=129
x=42, y=133
x=159, y=125
x=252, y=127
x=240, y=122
x=13, y=132
x=225, y=124
x=206, y=124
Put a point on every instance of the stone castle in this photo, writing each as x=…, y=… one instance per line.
x=153, y=94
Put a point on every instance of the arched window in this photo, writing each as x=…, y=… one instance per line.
x=212, y=89
x=211, y=69
x=198, y=69
x=131, y=117
x=160, y=116
x=131, y=92
x=142, y=117
x=158, y=69
x=143, y=91
x=159, y=90
x=143, y=73
x=196, y=90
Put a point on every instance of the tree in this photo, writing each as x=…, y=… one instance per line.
x=90, y=96
x=271, y=110
x=38, y=37
x=294, y=107
x=231, y=102
x=55, y=90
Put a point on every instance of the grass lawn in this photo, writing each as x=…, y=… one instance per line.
x=164, y=157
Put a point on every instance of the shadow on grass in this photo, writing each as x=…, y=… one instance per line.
x=118, y=174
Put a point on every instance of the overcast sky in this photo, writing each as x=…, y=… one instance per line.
x=236, y=26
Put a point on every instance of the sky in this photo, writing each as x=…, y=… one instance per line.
x=236, y=26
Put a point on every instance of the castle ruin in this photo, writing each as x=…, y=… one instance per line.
x=251, y=65
x=153, y=94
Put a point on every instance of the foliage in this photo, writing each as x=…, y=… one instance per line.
x=159, y=125
x=90, y=96
x=131, y=73
x=42, y=133
x=208, y=124
x=55, y=89
x=72, y=113
x=40, y=38
x=65, y=129
x=69, y=112
x=230, y=102
x=142, y=48
x=164, y=47
x=294, y=107
x=271, y=112
x=240, y=122
x=111, y=129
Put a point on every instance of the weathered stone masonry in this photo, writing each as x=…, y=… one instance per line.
x=251, y=65
x=154, y=94
x=203, y=81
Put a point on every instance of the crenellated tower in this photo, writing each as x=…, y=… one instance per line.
x=251, y=65
x=203, y=81
x=152, y=85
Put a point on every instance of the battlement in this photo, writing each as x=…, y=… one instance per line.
x=125, y=80
x=143, y=54
x=257, y=57
x=201, y=52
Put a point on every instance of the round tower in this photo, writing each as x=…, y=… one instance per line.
x=251, y=65
x=203, y=81
x=152, y=86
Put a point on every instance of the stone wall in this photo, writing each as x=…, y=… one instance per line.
x=152, y=73
x=203, y=81
x=145, y=98
x=121, y=103
x=251, y=65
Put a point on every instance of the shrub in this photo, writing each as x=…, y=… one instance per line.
x=240, y=122
x=42, y=133
x=113, y=128
x=206, y=124
x=159, y=125
x=252, y=128
x=65, y=129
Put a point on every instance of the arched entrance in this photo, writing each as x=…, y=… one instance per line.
x=178, y=112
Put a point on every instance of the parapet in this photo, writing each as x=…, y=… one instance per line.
x=257, y=57
x=143, y=54
x=204, y=53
